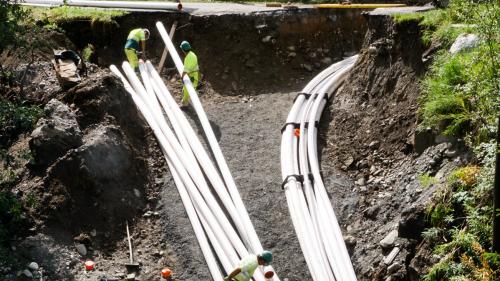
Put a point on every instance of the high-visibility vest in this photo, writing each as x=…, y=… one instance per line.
x=248, y=265
x=134, y=37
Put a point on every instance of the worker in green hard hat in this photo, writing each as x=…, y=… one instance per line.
x=135, y=37
x=191, y=69
x=248, y=265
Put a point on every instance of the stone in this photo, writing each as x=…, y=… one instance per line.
x=26, y=273
x=33, y=266
x=374, y=145
x=291, y=48
x=350, y=241
x=42, y=85
x=137, y=193
x=450, y=153
x=349, y=161
x=326, y=61
x=267, y=39
x=131, y=276
x=361, y=181
x=391, y=256
x=372, y=212
x=292, y=54
x=372, y=50
x=81, y=249
x=307, y=67
x=389, y=239
x=54, y=134
x=464, y=42
x=147, y=214
x=393, y=268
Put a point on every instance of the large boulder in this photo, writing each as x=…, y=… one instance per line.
x=464, y=42
x=54, y=134
x=93, y=185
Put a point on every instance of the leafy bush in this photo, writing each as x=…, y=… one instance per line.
x=16, y=119
x=460, y=93
x=461, y=220
x=10, y=16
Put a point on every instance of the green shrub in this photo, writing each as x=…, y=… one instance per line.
x=426, y=180
x=462, y=222
x=10, y=17
x=16, y=119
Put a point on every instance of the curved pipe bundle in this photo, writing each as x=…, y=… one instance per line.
x=195, y=175
x=312, y=215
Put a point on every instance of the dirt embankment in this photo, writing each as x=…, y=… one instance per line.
x=240, y=54
x=369, y=135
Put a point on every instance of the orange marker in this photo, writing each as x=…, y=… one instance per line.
x=166, y=273
x=296, y=132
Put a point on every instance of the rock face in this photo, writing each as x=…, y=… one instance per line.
x=464, y=42
x=55, y=134
x=91, y=158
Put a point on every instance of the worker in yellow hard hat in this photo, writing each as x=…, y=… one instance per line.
x=248, y=265
x=191, y=69
x=135, y=37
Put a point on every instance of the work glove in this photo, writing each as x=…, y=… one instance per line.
x=227, y=278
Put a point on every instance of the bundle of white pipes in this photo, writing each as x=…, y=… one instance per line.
x=312, y=214
x=190, y=166
x=140, y=5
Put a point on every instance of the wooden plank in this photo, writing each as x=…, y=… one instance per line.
x=165, y=51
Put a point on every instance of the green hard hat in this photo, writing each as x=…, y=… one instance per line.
x=267, y=256
x=185, y=46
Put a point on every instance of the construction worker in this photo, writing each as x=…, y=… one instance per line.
x=135, y=37
x=191, y=69
x=248, y=265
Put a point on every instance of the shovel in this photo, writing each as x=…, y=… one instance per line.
x=131, y=267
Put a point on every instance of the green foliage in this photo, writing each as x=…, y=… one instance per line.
x=10, y=208
x=54, y=16
x=426, y=180
x=10, y=17
x=87, y=52
x=16, y=119
x=461, y=217
x=460, y=91
x=401, y=18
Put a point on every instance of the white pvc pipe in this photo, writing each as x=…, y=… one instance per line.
x=189, y=139
x=216, y=217
x=343, y=264
x=256, y=246
x=143, y=5
x=325, y=227
x=205, y=247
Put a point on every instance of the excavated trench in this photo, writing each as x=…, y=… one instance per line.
x=252, y=67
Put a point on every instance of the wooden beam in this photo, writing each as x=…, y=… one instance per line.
x=165, y=51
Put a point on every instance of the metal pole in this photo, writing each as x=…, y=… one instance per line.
x=496, y=197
